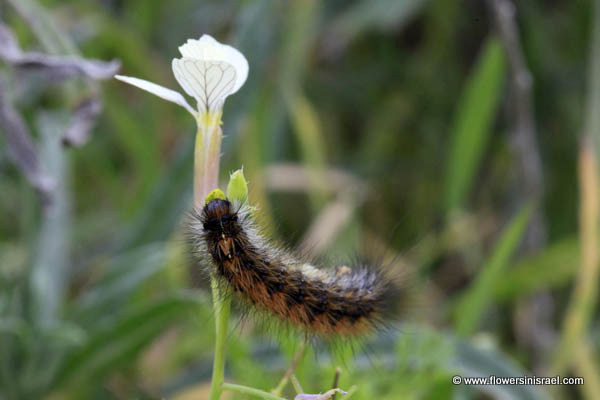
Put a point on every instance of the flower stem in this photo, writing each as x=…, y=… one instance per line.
x=207, y=151
x=251, y=391
x=290, y=371
x=221, y=305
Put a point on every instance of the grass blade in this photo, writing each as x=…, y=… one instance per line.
x=474, y=301
x=471, y=127
x=111, y=347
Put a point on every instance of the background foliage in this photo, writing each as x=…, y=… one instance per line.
x=386, y=128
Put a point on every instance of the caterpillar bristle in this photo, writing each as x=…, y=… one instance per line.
x=344, y=301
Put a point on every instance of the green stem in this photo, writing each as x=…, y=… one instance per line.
x=221, y=305
x=206, y=175
x=350, y=392
x=582, y=306
x=296, y=383
x=290, y=371
x=207, y=151
x=250, y=391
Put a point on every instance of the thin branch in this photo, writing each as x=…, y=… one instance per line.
x=328, y=395
x=21, y=148
x=584, y=295
x=290, y=177
x=586, y=365
x=328, y=224
x=529, y=185
x=290, y=371
x=336, y=380
x=296, y=384
x=523, y=129
x=352, y=390
x=82, y=122
x=250, y=391
x=57, y=67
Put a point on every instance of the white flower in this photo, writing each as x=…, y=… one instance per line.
x=208, y=71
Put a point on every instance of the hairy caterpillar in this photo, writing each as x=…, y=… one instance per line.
x=343, y=302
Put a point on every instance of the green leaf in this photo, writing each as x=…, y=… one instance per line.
x=113, y=346
x=471, y=127
x=552, y=267
x=46, y=29
x=473, y=302
x=424, y=353
x=481, y=360
x=364, y=15
x=237, y=188
x=167, y=202
x=124, y=275
x=309, y=133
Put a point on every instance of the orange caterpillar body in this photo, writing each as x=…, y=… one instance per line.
x=343, y=302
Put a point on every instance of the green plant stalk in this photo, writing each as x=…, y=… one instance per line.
x=296, y=384
x=581, y=308
x=237, y=190
x=251, y=391
x=350, y=392
x=207, y=151
x=289, y=372
x=584, y=296
x=221, y=305
x=586, y=365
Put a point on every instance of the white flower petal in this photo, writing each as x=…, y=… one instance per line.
x=208, y=49
x=159, y=91
x=209, y=82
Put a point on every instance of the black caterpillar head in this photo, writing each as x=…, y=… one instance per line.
x=218, y=217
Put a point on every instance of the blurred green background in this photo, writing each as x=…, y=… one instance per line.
x=398, y=130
